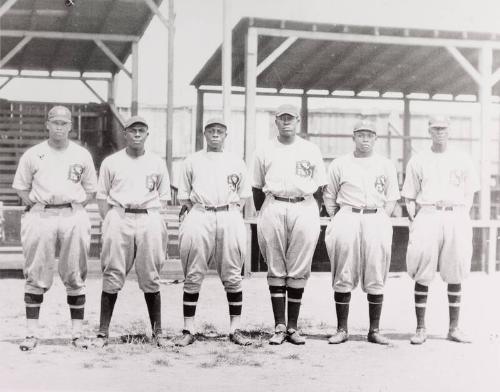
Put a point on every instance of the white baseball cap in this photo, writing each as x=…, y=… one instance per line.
x=59, y=113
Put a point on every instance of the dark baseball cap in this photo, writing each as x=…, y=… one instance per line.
x=135, y=120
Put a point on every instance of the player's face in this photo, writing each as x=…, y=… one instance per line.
x=287, y=125
x=439, y=135
x=58, y=130
x=364, y=141
x=215, y=134
x=136, y=135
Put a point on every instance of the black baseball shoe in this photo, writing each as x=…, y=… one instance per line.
x=237, y=338
x=293, y=336
x=186, y=339
x=279, y=335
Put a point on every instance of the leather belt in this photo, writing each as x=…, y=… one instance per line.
x=444, y=208
x=136, y=210
x=225, y=207
x=63, y=205
x=364, y=210
x=290, y=199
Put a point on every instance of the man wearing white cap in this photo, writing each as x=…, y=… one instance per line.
x=133, y=187
x=439, y=189
x=55, y=179
x=288, y=174
x=213, y=189
x=360, y=196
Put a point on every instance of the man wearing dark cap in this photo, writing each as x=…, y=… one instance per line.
x=133, y=187
x=439, y=189
x=55, y=179
x=288, y=174
x=213, y=188
x=361, y=193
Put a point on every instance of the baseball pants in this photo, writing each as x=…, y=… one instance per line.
x=288, y=234
x=209, y=238
x=440, y=239
x=129, y=238
x=359, y=248
x=41, y=231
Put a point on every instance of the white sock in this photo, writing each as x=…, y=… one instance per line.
x=31, y=327
x=189, y=324
x=234, y=323
x=76, y=328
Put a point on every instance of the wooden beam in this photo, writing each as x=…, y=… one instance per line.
x=495, y=77
x=5, y=82
x=406, y=132
x=15, y=50
x=226, y=76
x=464, y=63
x=112, y=90
x=103, y=79
x=112, y=57
x=70, y=35
x=152, y=5
x=199, y=120
x=134, y=107
x=304, y=115
x=275, y=54
x=93, y=91
x=170, y=86
x=485, y=68
x=6, y=6
x=250, y=93
x=117, y=115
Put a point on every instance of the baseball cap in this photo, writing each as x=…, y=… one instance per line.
x=215, y=120
x=134, y=120
x=59, y=113
x=365, y=125
x=439, y=121
x=287, y=109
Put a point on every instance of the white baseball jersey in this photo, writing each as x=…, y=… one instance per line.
x=56, y=176
x=289, y=170
x=134, y=182
x=214, y=179
x=360, y=182
x=448, y=176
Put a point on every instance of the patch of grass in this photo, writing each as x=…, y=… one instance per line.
x=162, y=362
x=293, y=356
x=88, y=365
x=223, y=359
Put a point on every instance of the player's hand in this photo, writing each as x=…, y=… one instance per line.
x=183, y=212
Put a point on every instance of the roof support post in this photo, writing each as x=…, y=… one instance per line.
x=275, y=54
x=226, y=62
x=7, y=81
x=250, y=92
x=304, y=114
x=112, y=90
x=93, y=91
x=7, y=6
x=200, y=94
x=464, y=63
x=406, y=132
x=485, y=68
x=170, y=87
x=112, y=56
x=15, y=50
x=154, y=8
x=134, y=107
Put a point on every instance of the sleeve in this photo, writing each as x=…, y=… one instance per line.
x=332, y=188
x=164, y=182
x=259, y=175
x=412, y=183
x=319, y=172
x=392, y=191
x=89, y=177
x=244, y=190
x=24, y=174
x=104, y=181
x=185, y=180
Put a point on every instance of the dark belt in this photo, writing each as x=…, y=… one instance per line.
x=290, y=199
x=136, y=210
x=364, y=210
x=444, y=208
x=218, y=208
x=64, y=205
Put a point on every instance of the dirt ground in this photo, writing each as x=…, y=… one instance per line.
x=214, y=364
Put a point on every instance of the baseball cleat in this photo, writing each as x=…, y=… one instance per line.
x=279, y=335
x=338, y=337
x=420, y=336
x=293, y=336
x=100, y=341
x=186, y=339
x=161, y=341
x=237, y=338
x=376, y=337
x=28, y=344
x=80, y=342
x=456, y=335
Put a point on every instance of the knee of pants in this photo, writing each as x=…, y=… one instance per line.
x=112, y=283
x=193, y=286
x=232, y=285
x=74, y=284
x=33, y=289
x=296, y=283
x=150, y=285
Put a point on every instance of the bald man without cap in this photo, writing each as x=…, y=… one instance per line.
x=55, y=180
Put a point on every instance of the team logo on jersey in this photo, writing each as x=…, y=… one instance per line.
x=234, y=180
x=152, y=182
x=380, y=183
x=457, y=177
x=304, y=169
x=41, y=156
x=75, y=172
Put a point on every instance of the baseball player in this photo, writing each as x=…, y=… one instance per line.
x=55, y=179
x=439, y=188
x=214, y=187
x=133, y=187
x=288, y=174
x=360, y=196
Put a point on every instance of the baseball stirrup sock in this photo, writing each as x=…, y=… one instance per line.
x=278, y=294
x=375, y=309
x=235, y=301
x=108, y=301
x=76, y=306
x=454, y=297
x=294, y=300
x=421, y=292
x=33, y=303
x=190, y=300
x=342, y=301
x=153, y=302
